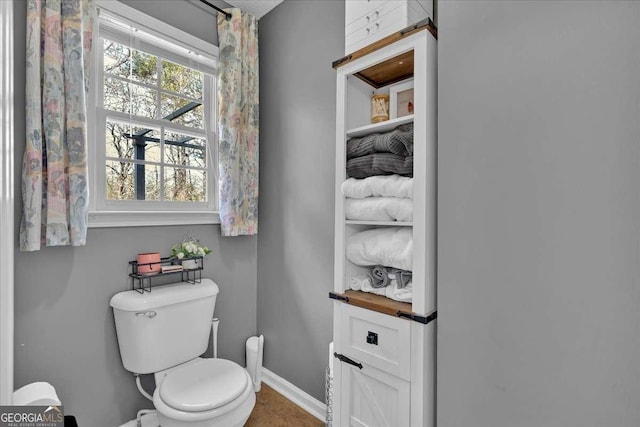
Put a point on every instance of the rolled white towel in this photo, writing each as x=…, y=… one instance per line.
x=358, y=282
x=378, y=186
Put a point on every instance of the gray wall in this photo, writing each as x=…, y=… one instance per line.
x=298, y=42
x=539, y=214
x=64, y=325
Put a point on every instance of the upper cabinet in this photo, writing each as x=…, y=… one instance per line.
x=367, y=21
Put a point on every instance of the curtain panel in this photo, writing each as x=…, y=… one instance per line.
x=54, y=171
x=238, y=123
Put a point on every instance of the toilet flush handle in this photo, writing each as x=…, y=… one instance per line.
x=149, y=314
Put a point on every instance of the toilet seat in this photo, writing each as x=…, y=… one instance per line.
x=203, y=386
x=243, y=402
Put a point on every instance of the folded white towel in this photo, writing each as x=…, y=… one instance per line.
x=399, y=294
x=378, y=186
x=388, y=246
x=363, y=283
x=379, y=209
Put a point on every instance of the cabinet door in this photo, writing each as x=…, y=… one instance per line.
x=370, y=397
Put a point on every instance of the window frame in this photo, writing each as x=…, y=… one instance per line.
x=186, y=50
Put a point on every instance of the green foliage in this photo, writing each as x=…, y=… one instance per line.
x=189, y=248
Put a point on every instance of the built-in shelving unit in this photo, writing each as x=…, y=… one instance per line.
x=391, y=343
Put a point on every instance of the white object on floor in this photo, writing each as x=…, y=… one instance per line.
x=255, y=347
x=39, y=393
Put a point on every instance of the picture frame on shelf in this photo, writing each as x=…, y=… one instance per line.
x=401, y=99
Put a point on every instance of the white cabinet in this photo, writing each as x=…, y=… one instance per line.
x=384, y=374
x=367, y=21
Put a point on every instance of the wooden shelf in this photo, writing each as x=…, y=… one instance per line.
x=394, y=69
x=381, y=223
x=388, y=72
x=383, y=305
x=376, y=302
x=380, y=127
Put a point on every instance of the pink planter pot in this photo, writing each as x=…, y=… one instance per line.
x=145, y=261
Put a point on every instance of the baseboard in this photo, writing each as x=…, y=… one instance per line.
x=294, y=394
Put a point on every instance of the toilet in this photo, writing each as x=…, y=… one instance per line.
x=164, y=332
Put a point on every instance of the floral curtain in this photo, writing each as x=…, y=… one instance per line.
x=238, y=122
x=54, y=170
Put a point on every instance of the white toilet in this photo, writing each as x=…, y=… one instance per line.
x=164, y=332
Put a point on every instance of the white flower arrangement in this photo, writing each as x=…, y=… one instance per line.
x=189, y=248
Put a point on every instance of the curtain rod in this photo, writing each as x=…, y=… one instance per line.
x=227, y=14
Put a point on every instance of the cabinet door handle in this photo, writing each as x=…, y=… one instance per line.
x=345, y=359
x=372, y=338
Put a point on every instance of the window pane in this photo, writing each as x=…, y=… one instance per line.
x=150, y=140
x=182, y=184
x=144, y=101
x=117, y=59
x=123, y=183
x=183, y=111
x=128, y=63
x=129, y=98
x=183, y=80
x=152, y=181
x=116, y=95
x=123, y=139
x=120, y=185
x=184, y=150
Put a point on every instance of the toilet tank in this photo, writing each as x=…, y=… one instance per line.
x=165, y=327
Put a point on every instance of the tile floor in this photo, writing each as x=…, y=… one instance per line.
x=274, y=410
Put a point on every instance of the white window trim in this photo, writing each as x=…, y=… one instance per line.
x=103, y=214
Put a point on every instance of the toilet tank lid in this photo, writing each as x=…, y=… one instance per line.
x=161, y=296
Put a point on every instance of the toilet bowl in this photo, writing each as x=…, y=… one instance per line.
x=204, y=393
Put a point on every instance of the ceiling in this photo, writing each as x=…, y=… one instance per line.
x=257, y=8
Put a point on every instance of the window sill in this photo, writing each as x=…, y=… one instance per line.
x=107, y=219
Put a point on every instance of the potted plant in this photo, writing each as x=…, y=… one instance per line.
x=189, y=251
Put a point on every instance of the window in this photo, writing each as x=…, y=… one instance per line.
x=155, y=152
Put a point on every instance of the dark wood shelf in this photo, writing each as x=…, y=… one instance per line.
x=382, y=305
x=377, y=302
x=392, y=70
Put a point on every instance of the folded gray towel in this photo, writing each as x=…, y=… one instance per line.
x=398, y=141
x=379, y=164
x=382, y=276
x=379, y=278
